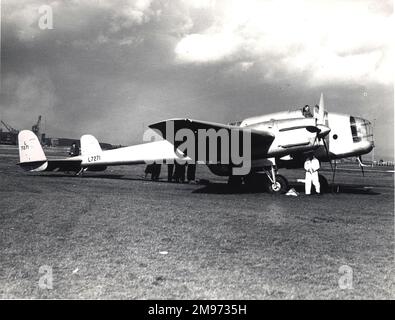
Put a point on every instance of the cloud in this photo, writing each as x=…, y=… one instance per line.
x=75, y=19
x=207, y=48
x=110, y=67
x=345, y=41
x=27, y=96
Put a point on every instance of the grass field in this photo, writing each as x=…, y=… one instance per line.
x=114, y=235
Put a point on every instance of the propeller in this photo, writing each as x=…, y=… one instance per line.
x=333, y=167
x=324, y=130
x=321, y=129
x=321, y=111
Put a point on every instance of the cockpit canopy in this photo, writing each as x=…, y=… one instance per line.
x=361, y=129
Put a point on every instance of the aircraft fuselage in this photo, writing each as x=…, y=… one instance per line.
x=348, y=136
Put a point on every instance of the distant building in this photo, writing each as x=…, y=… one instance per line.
x=7, y=137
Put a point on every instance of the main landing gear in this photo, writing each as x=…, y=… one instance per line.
x=81, y=172
x=267, y=178
x=277, y=184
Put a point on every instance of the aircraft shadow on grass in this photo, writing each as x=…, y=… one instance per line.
x=223, y=188
x=207, y=187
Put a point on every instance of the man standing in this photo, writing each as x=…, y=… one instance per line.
x=191, y=172
x=179, y=172
x=156, y=171
x=311, y=166
x=74, y=150
x=307, y=111
x=148, y=170
x=170, y=170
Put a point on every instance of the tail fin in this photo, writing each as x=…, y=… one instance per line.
x=90, y=145
x=31, y=154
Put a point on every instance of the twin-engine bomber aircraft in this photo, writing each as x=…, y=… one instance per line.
x=278, y=140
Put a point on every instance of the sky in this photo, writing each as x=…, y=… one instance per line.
x=112, y=67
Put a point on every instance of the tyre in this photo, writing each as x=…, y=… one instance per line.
x=280, y=187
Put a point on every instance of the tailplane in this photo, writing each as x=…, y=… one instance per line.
x=31, y=154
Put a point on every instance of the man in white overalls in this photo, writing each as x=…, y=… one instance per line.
x=311, y=166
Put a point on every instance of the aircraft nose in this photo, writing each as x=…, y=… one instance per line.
x=362, y=134
x=324, y=130
x=361, y=130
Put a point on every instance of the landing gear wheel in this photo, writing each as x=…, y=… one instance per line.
x=279, y=187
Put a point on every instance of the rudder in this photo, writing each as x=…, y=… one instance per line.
x=31, y=154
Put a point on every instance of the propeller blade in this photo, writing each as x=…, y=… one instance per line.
x=327, y=154
x=321, y=111
x=333, y=168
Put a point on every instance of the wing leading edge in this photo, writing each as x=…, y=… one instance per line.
x=260, y=140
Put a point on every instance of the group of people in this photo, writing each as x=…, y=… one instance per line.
x=153, y=170
x=175, y=172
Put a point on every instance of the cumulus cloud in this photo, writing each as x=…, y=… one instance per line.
x=330, y=40
x=207, y=48
x=110, y=66
x=75, y=19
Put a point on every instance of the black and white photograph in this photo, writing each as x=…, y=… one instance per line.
x=220, y=151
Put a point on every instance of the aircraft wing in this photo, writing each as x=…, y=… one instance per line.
x=52, y=165
x=194, y=125
x=260, y=140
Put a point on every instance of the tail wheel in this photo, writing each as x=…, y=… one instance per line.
x=280, y=186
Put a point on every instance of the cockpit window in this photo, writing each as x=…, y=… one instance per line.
x=361, y=129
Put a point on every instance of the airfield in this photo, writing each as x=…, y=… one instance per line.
x=114, y=235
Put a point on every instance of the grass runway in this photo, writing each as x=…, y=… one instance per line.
x=113, y=235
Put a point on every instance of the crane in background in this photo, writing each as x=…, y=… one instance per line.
x=9, y=137
x=36, y=128
x=9, y=128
